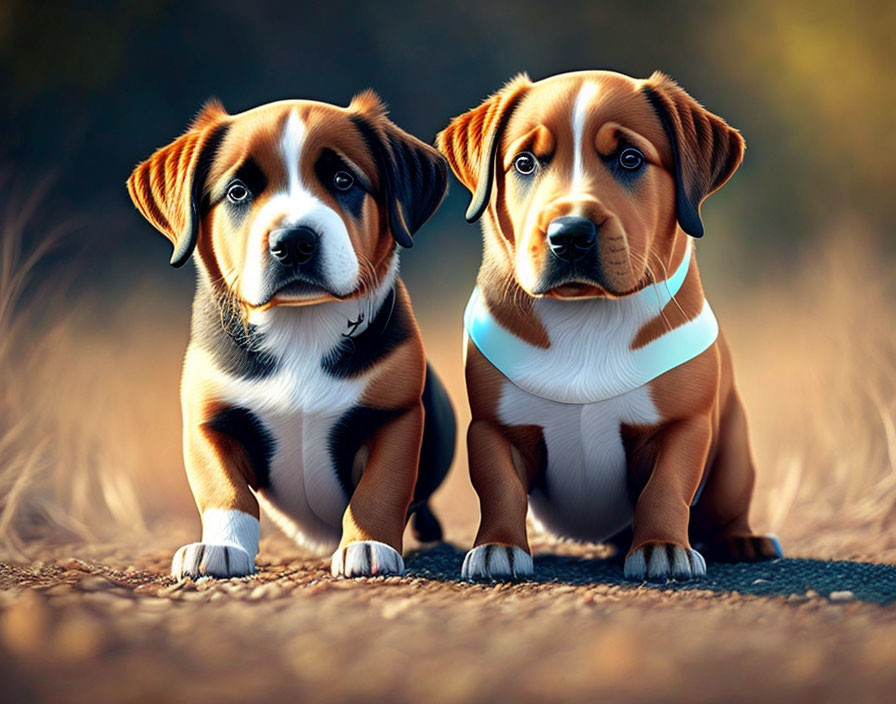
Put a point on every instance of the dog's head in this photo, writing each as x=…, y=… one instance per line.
x=294, y=202
x=588, y=178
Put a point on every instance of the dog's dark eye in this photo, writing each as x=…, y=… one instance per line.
x=525, y=163
x=631, y=159
x=343, y=180
x=237, y=192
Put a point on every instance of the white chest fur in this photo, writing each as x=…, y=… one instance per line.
x=299, y=405
x=584, y=493
x=590, y=357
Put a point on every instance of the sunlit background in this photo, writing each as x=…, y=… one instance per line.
x=797, y=260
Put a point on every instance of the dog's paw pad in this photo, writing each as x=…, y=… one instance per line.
x=366, y=558
x=497, y=563
x=661, y=561
x=209, y=560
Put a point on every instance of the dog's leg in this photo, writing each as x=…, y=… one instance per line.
x=501, y=549
x=219, y=471
x=374, y=522
x=721, y=514
x=660, y=547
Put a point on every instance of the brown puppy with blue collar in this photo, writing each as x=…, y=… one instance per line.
x=305, y=385
x=602, y=393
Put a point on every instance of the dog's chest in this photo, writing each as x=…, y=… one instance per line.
x=300, y=405
x=583, y=492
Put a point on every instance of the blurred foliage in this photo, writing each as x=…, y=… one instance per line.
x=93, y=88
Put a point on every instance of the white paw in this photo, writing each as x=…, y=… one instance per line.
x=210, y=560
x=660, y=561
x=366, y=558
x=497, y=562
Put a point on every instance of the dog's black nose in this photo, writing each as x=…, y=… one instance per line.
x=293, y=245
x=571, y=237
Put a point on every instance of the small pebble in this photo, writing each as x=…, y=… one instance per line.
x=842, y=596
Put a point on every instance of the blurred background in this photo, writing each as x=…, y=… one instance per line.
x=798, y=257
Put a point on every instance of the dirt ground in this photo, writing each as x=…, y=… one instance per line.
x=93, y=467
x=111, y=626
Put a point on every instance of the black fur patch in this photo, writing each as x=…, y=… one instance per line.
x=244, y=426
x=349, y=434
x=439, y=435
x=326, y=168
x=218, y=330
x=199, y=200
x=358, y=353
x=356, y=427
x=686, y=205
x=414, y=179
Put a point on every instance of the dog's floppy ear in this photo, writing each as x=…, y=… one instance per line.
x=168, y=187
x=471, y=142
x=706, y=151
x=413, y=175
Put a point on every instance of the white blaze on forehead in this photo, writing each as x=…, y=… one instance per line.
x=291, y=149
x=579, y=116
x=298, y=206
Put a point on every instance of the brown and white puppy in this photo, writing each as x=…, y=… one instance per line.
x=305, y=384
x=599, y=386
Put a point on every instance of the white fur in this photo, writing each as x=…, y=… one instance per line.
x=366, y=558
x=584, y=99
x=590, y=356
x=229, y=527
x=585, y=494
x=299, y=405
x=686, y=563
x=497, y=562
x=228, y=548
x=295, y=207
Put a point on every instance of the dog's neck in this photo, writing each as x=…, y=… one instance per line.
x=597, y=348
x=260, y=338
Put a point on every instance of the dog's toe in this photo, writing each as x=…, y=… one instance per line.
x=497, y=563
x=210, y=560
x=366, y=558
x=660, y=561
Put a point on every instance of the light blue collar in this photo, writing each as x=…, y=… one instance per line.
x=590, y=357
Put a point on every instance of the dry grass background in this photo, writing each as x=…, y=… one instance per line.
x=90, y=422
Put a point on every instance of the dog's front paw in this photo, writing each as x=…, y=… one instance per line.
x=498, y=563
x=660, y=561
x=209, y=560
x=366, y=558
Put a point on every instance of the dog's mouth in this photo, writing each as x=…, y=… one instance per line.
x=298, y=291
x=580, y=288
x=575, y=289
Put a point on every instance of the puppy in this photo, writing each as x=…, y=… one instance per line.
x=599, y=384
x=305, y=385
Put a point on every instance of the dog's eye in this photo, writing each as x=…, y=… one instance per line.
x=343, y=180
x=631, y=159
x=525, y=163
x=237, y=192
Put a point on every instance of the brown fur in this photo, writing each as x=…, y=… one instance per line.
x=690, y=153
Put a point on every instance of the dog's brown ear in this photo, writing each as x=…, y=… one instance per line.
x=414, y=176
x=471, y=142
x=168, y=187
x=706, y=151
